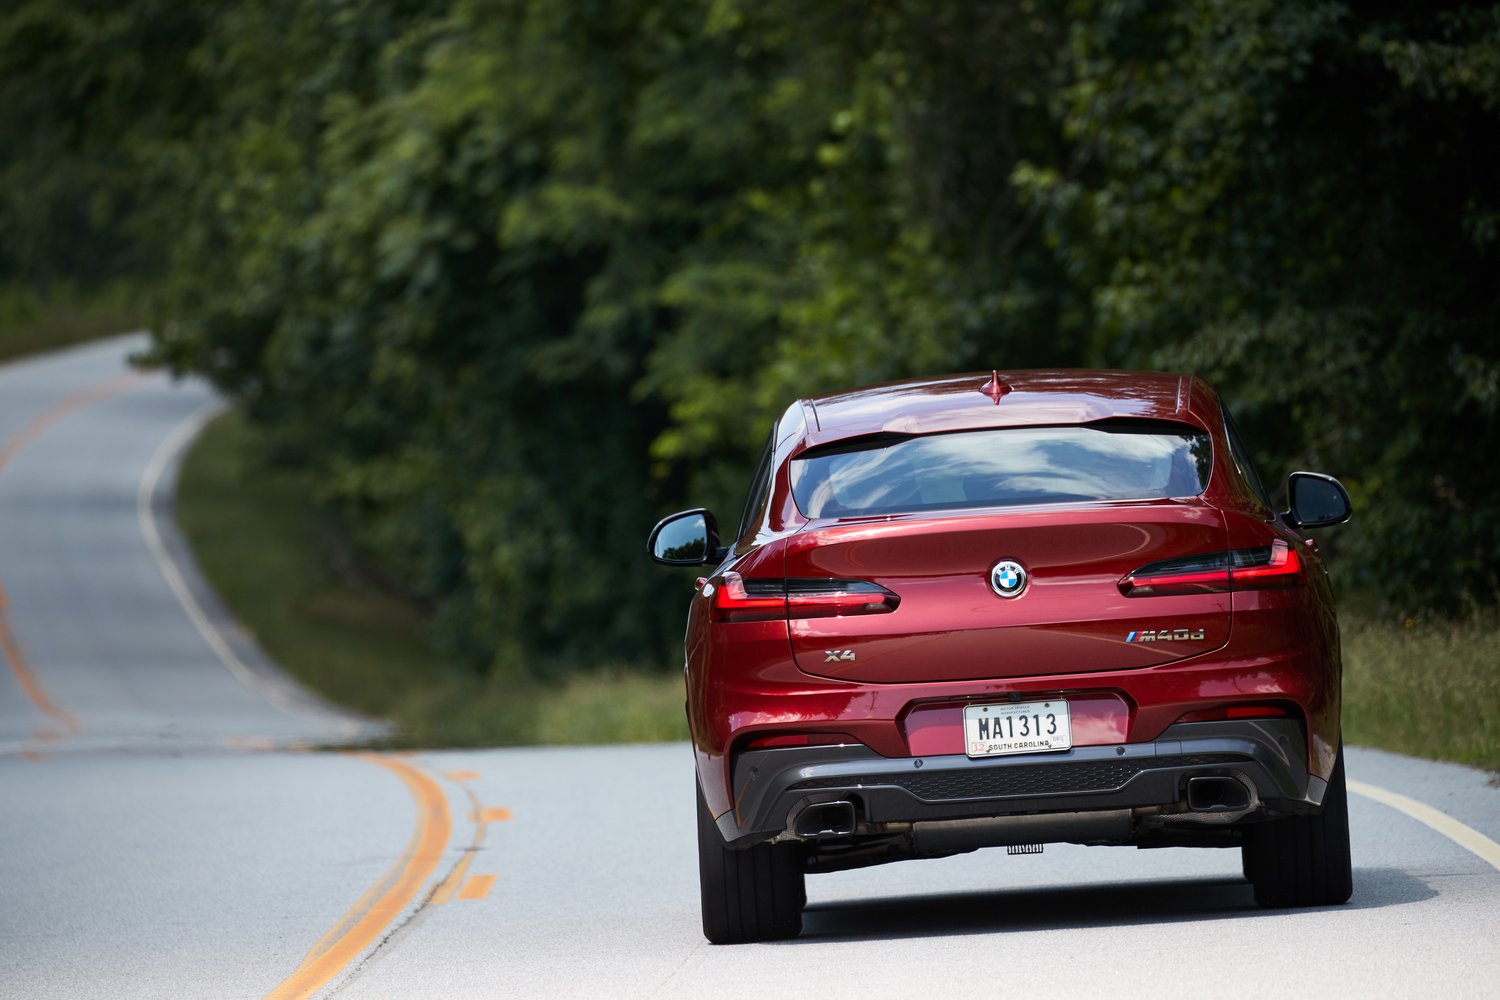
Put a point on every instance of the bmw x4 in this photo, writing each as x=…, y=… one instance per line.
x=1010, y=610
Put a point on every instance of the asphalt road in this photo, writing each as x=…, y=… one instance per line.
x=166, y=830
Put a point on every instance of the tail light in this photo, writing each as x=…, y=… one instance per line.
x=736, y=599
x=739, y=600
x=1274, y=565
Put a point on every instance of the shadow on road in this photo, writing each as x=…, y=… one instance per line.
x=1077, y=907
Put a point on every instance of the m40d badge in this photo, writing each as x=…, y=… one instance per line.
x=1166, y=635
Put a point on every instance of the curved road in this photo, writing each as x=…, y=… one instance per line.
x=167, y=830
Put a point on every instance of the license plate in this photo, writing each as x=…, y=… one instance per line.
x=1017, y=727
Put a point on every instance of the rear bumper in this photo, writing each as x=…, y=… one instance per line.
x=1268, y=757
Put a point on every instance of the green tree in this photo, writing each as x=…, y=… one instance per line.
x=516, y=278
x=1298, y=202
x=90, y=94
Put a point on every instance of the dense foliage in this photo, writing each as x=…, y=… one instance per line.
x=518, y=277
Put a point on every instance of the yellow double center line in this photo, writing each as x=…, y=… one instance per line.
x=10, y=645
x=383, y=902
x=25, y=676
x=82, y=399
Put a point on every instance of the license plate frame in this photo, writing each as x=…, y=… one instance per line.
x=1001, y=729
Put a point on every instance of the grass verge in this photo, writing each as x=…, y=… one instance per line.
x=265, y=548
x=1425, y=687
x=29, y=326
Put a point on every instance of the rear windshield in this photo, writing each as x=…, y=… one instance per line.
x=1002, y=468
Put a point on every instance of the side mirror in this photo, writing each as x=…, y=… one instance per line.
x=687, y=539
x=1317, y=501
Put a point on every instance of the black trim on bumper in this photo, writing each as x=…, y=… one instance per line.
x=772, y=786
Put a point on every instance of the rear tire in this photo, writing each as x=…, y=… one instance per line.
x=754, y=894
x=1303, y=860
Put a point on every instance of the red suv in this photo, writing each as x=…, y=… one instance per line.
x=1010, y=609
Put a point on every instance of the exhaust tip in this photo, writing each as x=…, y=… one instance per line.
x=826, y=819
x=1215, y=793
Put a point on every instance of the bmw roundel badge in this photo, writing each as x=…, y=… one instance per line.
x=1008, y=578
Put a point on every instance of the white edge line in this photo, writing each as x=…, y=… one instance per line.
x=1464, y=836
x=165, y=452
